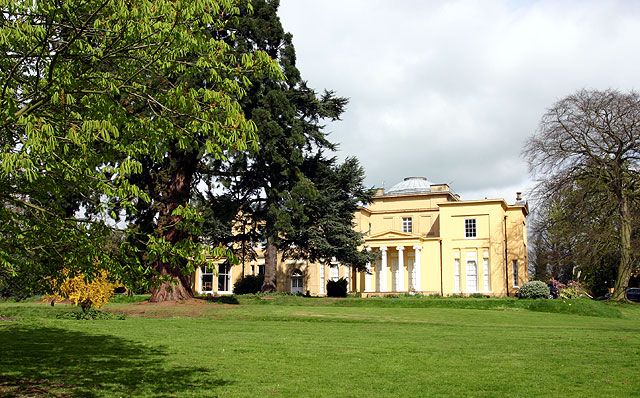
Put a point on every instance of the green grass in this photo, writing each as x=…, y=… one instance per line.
x=583, y=307
x=282, y=346
x=124, y=298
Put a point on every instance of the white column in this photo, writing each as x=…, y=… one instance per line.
x=383, y=269
x=400, y=278
x=321, y=289
x=367, y=275
x=198, y=280
x=416, y=266
x=347, y=276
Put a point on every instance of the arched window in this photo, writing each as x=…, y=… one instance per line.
x=296, y=281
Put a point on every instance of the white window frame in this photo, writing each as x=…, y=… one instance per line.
x=322, y=283
x=486, y=265
x=456, y=275
x=227, y=275
x=470, y=228
x=203, y=273
x=407, y=224
x=514, y=265
x=334, y=272
x=471, y=288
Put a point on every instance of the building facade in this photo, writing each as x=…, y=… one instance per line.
x=425, y=239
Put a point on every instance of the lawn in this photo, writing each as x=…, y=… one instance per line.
x=294, y=346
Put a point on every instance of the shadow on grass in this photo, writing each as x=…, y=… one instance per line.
x=220, y=299
x=51, y=362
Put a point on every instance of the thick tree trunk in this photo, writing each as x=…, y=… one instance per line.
x=177, y=288
x=626, y=265
x=270, y=262
x=174, y=285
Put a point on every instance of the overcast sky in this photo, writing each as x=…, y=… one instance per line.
x=450, y=90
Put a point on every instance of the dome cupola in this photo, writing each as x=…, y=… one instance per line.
x=410, y=185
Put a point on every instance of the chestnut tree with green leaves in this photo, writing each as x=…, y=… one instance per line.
x=91, y=91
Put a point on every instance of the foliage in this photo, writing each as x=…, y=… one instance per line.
x=110, y=107
x=292, y=195
x=337, y=288
x=534, y=290
x=87, y=294
x=588, y=145
x=250, y=284
x=573, y=290
x=593, y=254
x=20, y=285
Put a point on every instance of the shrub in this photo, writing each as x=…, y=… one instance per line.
x=86, y=293
x=534, y=290
x=337, y=288
x=572, y=290
x=250, y=284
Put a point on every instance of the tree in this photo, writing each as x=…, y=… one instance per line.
x=289, y=195
x=593, y=137
x=575, y=237
x=93, y=91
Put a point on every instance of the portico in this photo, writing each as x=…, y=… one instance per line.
x=397, y=269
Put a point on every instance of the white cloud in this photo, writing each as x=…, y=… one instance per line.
x=451, y=90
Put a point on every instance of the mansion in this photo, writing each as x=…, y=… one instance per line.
x=426, y=240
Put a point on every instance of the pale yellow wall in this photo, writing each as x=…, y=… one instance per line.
x=517, y=245
x=386, y=213
x=490, y=218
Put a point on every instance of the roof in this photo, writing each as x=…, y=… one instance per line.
x=410, y=185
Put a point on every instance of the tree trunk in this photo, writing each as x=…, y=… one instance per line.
x=177, y=288
x=174, y=285
x=270, y=262
x=626, y=265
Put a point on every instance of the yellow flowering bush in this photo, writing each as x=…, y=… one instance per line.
x=80, y=291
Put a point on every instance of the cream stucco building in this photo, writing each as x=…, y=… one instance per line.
x=425, y=239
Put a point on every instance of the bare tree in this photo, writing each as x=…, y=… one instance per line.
x=593, y=137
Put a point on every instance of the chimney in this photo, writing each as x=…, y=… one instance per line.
x=518, y=196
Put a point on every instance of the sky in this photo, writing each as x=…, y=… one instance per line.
x=451, y=90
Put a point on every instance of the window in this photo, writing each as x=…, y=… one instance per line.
x=261, y=269
x=407, y=224
x=456, y=275
x=515, y=273
x=296, y=281
x=333, y=272
x=472, y=276
x=486, y=273
x=207, y=279
x=321, y=279
x=470, y=228
x=224, y=278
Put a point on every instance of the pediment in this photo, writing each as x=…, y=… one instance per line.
x=393, y=235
